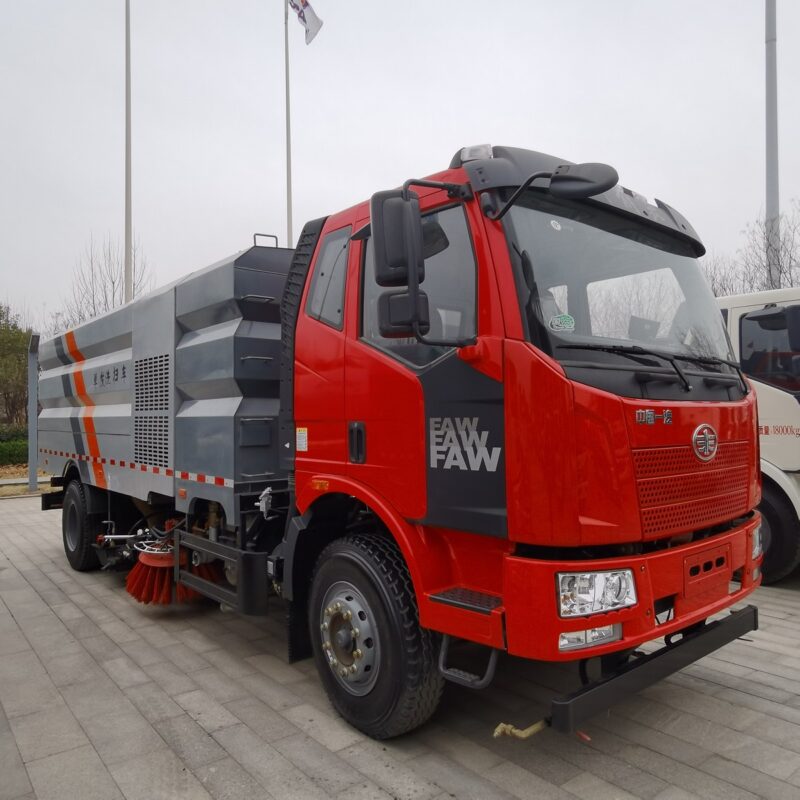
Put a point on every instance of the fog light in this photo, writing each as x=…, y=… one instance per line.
x=582, y=593
x=758, y=546
x=573, y=640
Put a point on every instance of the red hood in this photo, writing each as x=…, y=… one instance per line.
x=580, y=469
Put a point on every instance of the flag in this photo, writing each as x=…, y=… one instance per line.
x=308, y=19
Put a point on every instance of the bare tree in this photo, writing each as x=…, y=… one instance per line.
x=98, y=283
x=748, y=270
x=753, y=256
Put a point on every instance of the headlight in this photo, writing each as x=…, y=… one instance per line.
x=582, y=593
x=758, y=545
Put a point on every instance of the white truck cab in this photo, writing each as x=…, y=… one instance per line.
x=765, y=333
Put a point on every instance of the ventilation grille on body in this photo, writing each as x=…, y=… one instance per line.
x=151, y=399
x=151, y=441
x=151, y=381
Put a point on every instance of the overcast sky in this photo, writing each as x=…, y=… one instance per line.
x=671, y=93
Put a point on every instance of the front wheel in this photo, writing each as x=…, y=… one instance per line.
x=377, y=664
x=77, y=530
x=780, y=533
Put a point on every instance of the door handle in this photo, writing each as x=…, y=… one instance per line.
x=357, y=442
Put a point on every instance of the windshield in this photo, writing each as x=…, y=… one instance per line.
x=589, y=277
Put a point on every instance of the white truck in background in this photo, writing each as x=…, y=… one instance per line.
x=765, y=333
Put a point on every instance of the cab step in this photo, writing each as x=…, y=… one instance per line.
x=468, y=599
x=461, y=676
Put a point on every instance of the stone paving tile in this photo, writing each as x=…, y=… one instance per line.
x=398, y=779
x=275, y=772
x=102, y=697
x=74, y=774
x=326, y=769
x=228, y=780
x=330, y=731
x=153, y=702
x=45, y=733
x=590, y=787
x=455, y=779
x=265, y=721
x=193, y=745
x=157, y=776
x=171, y=679
x=121, y=735
x=14, y=780
x=206, y=711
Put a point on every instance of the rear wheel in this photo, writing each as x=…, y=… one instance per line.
x=780, y=532
x=377, y=664
x=77, y=531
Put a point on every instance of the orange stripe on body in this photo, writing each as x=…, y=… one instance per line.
x=69, y=338
x=88, y=422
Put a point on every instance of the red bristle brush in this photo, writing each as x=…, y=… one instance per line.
x=150, y=579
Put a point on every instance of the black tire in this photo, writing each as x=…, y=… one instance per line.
x=406, y=686
x=77, y=531
x=780, y=532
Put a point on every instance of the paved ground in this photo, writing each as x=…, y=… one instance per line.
x=102, y=698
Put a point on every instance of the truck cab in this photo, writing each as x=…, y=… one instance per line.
x=533, y=394
x=764, y=328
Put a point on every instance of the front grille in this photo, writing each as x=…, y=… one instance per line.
x=679, y=493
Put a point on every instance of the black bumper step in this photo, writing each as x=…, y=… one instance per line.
x=568, y=712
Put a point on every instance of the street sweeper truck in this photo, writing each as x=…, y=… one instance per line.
x=496, y=406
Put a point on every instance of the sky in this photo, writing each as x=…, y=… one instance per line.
x=669, y=93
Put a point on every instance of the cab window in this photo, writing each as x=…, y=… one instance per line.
x=766, y=354
x=326, y=294
x=449, y=283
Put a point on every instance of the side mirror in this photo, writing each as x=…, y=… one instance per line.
x=578, y=181
x=778, y=318
x=397, y=237
x=769, y=318
x=793, y=327
x=396, y=312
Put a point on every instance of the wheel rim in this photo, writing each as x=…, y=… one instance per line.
x=72, y=528
x=349, y=638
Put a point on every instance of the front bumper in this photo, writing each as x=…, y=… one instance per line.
x=693, y=580
x=568, y=712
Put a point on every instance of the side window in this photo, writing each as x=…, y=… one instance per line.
x=450, y=278
x=766, y=354
x=326, y=295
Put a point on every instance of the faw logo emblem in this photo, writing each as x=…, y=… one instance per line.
x=456, y=443
x=704, y=442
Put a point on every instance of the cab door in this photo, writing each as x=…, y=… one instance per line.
x=319, y=358
x=425, y=426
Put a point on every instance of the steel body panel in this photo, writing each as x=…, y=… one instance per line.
x=183, y=381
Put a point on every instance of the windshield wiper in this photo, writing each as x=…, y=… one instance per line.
x=716, y=360
x=632, y=351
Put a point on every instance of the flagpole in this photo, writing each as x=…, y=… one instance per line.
x=289, y=239
x=128, y=283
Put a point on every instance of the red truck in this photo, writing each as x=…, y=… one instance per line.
x=508, y=414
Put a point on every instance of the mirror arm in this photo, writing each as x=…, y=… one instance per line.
x=459, y=191
x=422, y=339
x=514, y=197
